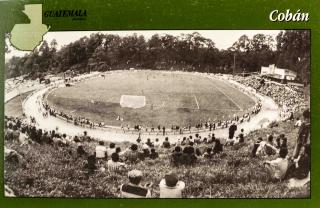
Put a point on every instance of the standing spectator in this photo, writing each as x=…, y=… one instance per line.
x=232, y=130
x=303, y=134
x=164, y=130
x=133, y=189
x=301, y=165
x=241, y=136
x=171, y=187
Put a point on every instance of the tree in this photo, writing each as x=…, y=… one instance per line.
x=293, y=47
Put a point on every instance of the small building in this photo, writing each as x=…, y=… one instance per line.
x=278, y=73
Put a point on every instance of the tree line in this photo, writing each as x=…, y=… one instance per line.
x=188, y=52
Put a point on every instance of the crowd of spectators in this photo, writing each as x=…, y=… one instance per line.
x=290, y=98
x=185, y=152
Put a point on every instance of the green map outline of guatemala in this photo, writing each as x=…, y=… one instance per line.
x=28, y=36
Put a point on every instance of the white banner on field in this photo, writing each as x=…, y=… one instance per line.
x=132, y=101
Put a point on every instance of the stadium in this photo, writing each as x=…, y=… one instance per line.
x=93, y=130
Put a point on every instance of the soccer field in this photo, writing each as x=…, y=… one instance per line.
x=150, y=98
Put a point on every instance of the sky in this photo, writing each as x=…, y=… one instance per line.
x=223, y=39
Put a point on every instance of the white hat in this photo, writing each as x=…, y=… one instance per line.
x=134, y=173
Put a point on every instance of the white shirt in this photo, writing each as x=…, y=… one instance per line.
x=100, y=151
x=110, y=151
x=114, y=166
x=171, y=192
x=23, y=138
x=280, y=166
x=157, y=144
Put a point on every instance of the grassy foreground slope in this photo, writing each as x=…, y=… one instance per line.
x=56, y=172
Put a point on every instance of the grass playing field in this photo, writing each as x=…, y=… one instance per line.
x=171, y=99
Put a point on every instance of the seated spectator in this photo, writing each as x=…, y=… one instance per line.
x=114, y=165
x=46, y=138
x=145, y=150
x=156, y=143
x=76, y=139
x=9, y=132
x=149, y=143
x=132, y=155
x=171, y=187
x=213, y=138
x=278, y=142
x=23, y=138
x=189, y=149
x=270, y=148
x=101, y=150
x=184, y=141
x=256, y=146
x=166, y=143
x=298, y=123
x=278, y=168
x=153, y=155
x=80, y=150
x=15, y=133
x=111, y=149
x=118, y=150
x=300, y=167
x=217, y=147
x=198, y=152
x=91, y=164
x=85, y=137
x=230, y=141
x=189, y=156
x=208, y=154
x=176, y=156
x=133, y=189
x=191, y=139
x=267, y=148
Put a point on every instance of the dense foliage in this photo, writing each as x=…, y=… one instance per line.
x=188, y=52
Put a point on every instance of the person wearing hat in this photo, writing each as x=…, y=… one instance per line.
x=171, y=187
x=133, y=189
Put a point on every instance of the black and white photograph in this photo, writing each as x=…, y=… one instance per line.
x=159, y=114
